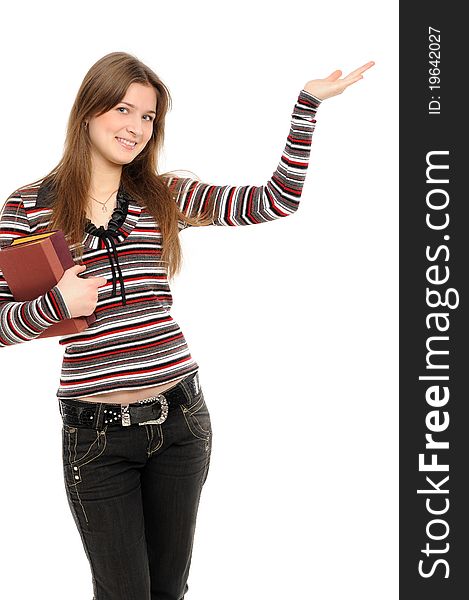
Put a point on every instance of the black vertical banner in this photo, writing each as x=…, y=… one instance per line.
x=434, y=351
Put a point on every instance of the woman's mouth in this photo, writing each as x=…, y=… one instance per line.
x=127, y=144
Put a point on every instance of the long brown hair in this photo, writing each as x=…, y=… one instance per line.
x=103, y=87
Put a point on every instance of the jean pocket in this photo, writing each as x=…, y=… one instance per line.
x=197, y=417
x=81, y=446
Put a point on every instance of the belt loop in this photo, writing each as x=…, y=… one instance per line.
x=98, y=415
x=188, y=387
x=186, y=390
x=197, y=382
x=125, y=415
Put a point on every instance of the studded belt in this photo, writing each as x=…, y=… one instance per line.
x=154, y=410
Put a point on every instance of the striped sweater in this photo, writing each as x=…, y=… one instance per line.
x=134, y=342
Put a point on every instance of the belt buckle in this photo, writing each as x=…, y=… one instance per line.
x=164, y=412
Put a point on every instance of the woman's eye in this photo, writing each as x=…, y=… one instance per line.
x=148, y=117
x=121, y=108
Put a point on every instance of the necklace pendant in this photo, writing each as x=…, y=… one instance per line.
x=104, y=208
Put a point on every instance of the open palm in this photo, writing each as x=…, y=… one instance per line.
x=333, y=85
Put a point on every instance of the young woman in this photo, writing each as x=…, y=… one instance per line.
x=136, y=429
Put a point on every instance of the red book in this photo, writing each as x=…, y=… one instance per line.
x=32, y=265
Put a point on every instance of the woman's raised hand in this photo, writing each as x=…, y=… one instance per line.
x=80, y=294
x=333, y=85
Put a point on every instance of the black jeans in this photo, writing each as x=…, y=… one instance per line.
x=134, y=494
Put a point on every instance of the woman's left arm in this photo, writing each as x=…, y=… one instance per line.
x=248, y=204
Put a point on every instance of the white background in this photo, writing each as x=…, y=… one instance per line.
x=293, y=323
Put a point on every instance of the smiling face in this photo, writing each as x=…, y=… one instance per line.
x=120, y=134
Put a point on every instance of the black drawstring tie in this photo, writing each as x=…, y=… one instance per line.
x=107, y=236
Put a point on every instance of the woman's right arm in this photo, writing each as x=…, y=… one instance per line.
x=24, y=321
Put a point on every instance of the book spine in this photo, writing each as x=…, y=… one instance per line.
x=62, y=249
x=50, y=257
x=63, y=253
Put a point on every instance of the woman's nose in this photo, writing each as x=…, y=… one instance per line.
x=135, y=127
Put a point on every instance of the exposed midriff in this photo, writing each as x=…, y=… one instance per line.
x=129, y=396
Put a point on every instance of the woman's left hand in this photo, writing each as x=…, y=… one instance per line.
x=332, y=85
